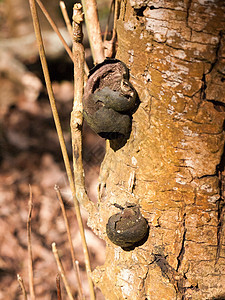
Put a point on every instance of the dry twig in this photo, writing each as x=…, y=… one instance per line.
x=78, y=272
x=54, y=27
x=61, y=271
x=112, y=6
x=70, y=30
x=70, y=240
x=20, y=280
x=93, y=29
x=60, y=134
x=51, y=96
x=110, y=45
x=76, y=122
x=30, y=264
x=58, y=287
x=116, y=16
x=66, y=17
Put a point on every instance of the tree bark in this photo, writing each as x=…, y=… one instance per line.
x=172, y=162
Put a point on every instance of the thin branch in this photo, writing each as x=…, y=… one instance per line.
x=78, y=272
x=116, y=16
x=21, y=283
x=110, y=45
x=30, y=264
x=86, y=202
x=112, y=6
x=93, y=29
x=77, y=120
x=70, y=30
x=58, y=287
x=61, y=271
x=90, y=206
x=50, y=93
x=54, y=27
x=77, y=112
x=70, y=239
x=66, y=17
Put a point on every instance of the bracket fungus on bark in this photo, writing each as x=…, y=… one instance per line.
x=110, y=100
x=128, y=228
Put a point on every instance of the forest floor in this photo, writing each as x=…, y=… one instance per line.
x=30, y=155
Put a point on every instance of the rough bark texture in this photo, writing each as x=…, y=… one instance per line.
x=170, y=166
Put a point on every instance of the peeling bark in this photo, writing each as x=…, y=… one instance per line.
x=175, y=51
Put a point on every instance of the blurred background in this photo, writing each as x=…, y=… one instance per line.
x=30, y=153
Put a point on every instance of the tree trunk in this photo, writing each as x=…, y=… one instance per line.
x=172, y=162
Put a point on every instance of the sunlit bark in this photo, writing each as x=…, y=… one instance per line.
x=175, y=51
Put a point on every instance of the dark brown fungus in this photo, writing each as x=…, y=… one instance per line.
x=128, y=228
x=109, y=100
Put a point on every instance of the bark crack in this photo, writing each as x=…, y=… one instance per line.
x=203, y=87
x=205, y=176
x=221, y=207
x=182, y=250
x=217, y=51
x=213, y=64
x=188, y=13
x=178, y=280
x=221, y=167
x=144, y=279
x=165, y=8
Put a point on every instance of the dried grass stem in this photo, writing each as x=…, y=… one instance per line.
x=59, y=131
x=21, y=283
x=80, y=291
x=30, y=263
x=61, y=271
x=54, y=27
